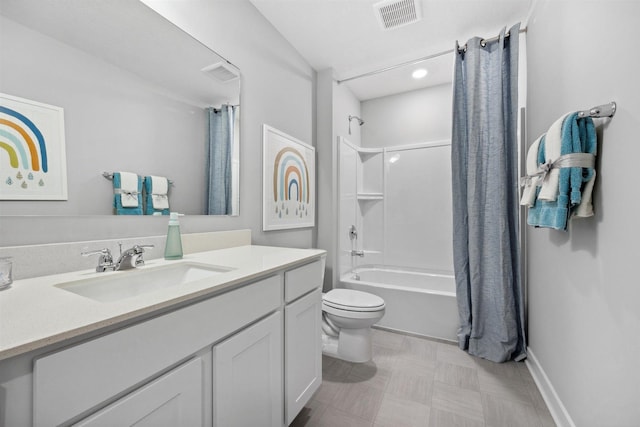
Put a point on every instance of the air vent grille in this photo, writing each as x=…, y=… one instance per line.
x=397, y=13
x=221, y=72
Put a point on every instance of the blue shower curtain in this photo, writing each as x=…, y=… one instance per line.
x=484, y=158
x=220, y=151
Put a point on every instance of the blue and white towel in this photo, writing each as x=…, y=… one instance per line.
x=127, y=193
x=157, y=195
x=552, y=150
x=583, y=179
x=572, y=198
x=533, y=181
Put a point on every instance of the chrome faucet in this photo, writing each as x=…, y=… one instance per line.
x=128, y=259
x=357, y=253
x=132, y=257
x=105, y=262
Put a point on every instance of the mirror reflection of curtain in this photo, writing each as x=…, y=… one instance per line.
x=219, y=161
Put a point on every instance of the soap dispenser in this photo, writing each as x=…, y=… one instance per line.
x=173, y=247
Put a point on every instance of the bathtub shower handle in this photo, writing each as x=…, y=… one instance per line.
x=353, y=233
x=357, y=253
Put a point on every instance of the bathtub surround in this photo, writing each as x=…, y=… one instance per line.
x=396, y=198
x=484, y=158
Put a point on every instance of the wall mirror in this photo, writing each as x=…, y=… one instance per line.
x=139, y=95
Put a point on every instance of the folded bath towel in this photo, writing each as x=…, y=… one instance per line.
x=577, y=136
x=157, y=199
x=532, y=182
x=553, y=150
x=583, y=179
x=127, y=189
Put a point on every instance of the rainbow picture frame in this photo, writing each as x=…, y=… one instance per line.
x=32, y=150
x=289, y=181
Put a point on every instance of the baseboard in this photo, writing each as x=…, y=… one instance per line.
x=551, y=398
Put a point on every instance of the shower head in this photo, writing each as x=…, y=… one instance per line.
x=360, y=122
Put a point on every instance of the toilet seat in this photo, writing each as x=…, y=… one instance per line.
x=352, y=300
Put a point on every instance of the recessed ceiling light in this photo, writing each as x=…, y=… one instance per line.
x=419, y=73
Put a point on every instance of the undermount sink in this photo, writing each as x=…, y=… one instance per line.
x=115, y=286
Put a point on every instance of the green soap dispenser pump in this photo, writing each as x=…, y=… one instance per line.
x=173, y=247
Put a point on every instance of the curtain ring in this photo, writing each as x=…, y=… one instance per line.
x=483, y=43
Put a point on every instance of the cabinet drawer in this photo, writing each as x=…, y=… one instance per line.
x=75, y=380
x=173, y=400
x=301, y=280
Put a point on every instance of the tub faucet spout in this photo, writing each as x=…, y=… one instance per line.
x=357, y=253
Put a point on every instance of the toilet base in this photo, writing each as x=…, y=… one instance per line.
x=352, y=345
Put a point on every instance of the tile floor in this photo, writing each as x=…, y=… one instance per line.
x=419, y=382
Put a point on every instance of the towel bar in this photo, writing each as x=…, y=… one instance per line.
x=605, y=110
x=109, y=176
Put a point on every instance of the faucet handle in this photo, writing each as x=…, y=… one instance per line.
x=105, y=262
x=139, y=250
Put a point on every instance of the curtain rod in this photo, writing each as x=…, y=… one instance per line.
x=417, y=61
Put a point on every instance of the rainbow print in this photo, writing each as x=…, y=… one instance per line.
x=290, y=176
x=22, y=140
x=289, y=181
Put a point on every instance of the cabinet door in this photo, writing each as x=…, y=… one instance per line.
x=175, y=399
x=303, y=352
x=247, y=371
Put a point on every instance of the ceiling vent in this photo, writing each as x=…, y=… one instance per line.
x=222, y=72
x=397, y=13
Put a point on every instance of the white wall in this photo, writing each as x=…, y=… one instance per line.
x=334, y=105
x=417, y=116
x=277, y=89
x=584, y=293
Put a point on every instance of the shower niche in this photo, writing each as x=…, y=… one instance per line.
x=361, y=181
x=370, y=209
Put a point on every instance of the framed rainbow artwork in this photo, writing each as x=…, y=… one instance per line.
x=289, y=181
x=32, y=150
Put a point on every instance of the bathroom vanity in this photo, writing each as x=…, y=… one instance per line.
x=237, y=348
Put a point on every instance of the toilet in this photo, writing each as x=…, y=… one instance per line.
x=347, y=317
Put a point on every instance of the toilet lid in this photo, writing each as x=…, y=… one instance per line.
x=352, y=300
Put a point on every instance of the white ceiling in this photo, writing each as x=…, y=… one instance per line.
x=345, y=35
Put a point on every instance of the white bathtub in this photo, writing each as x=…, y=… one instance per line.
x=418, y=302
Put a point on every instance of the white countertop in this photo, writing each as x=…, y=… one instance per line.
x=34, y=313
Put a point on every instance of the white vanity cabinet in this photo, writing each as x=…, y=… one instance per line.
x=249, y=355
x=248, y=367
x=72, y=382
